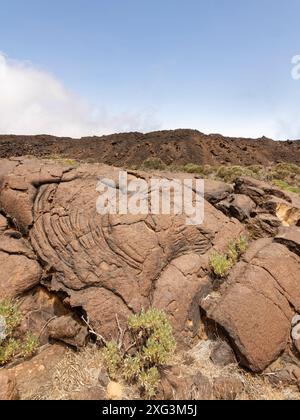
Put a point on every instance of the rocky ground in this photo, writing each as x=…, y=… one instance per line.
x=177, y=147
x=237, y=337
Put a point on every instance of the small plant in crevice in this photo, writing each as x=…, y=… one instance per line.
x=149, y=346
x=242, y=244
x=221, y=264
x=11, y=345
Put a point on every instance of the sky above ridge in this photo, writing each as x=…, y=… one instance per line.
x=92, y=67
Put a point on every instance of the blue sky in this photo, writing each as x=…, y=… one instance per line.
x=215, y=65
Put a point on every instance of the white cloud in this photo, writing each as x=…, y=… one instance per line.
x=34, y=102
x=288, y=125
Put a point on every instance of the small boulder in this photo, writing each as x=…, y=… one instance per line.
x=290, y=237
x=254, y=305
x=259, y=191
x=283, y=377
x=103, y=378
x=216, y=191
x=38, y=307
x=69, y=330
x=19, y=269
x=239, y=206
x=264, y=225
x=222, y=354
x=114, y=391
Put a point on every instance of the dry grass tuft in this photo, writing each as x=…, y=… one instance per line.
x=79, y=371
x=256, y=387
x=76, y=372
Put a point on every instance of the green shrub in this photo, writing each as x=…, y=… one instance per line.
x=221, y=264
x=11, y=345
x=154, y=163
x=30, y=345
x=203, y=170
x=191, y=168
x=231, y=173
x=233, y=253
x=286, y=168
x=285, y=176
x=8, y=349
x=132, y=368
x=149, y=380
x=286, y=187
x=151, y=345
x=256, y=169
x=113, y=359
x=242, y=244
x=11, y=315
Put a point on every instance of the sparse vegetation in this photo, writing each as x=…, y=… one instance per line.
x=113, y=359
x=192, y=168
x=221, y=264
x=154, y=163
x=11, y=345
x=11, y=316
x=286, y=187
x=29, y=345
x=284, y=175
x=203, y=170
x=151, y=344
x=242, y=244
x=63, y=160
x=230, y=173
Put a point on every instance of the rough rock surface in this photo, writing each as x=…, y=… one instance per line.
x=263, y=207
x=254, y=306
x=271, y=200
x=222, y=354
x=179, y=385
x=62, y=260
x=259, y=191
x=239, y=206
x=8, y=389
x=20, y=270
x=110, y=265
x=216, y=191
x=35, y=375
x=68, y=329
x=176, y=146
x=38, y=308
x=290, y=237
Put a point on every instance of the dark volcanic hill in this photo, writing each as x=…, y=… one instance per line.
x=173, y=147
